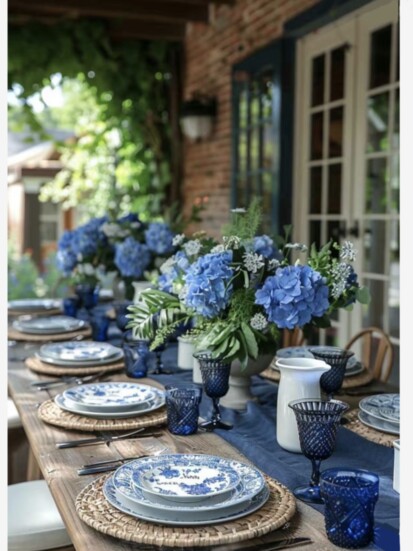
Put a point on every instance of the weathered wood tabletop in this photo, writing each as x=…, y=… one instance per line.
x=58, y=466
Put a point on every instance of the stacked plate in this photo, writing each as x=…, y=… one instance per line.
x=79, y=354
x=186, y=489
x=34, y=304
x=111, y=400
x=381, y=412
x=353, y=365
x=50, y=325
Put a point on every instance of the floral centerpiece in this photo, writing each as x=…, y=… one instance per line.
x=242, y=292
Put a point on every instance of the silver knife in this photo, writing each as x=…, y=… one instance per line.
x=99, y=439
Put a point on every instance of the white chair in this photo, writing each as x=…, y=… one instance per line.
x=13, y=417
x=34, y=522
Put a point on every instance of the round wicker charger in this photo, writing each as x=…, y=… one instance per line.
x=15, y=335
x=37, y=313
x=50, y=413
x=59, y=370
x=362, y=378
x=93, y=508
x=369, y=433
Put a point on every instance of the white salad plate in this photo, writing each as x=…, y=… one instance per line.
x=34, y=304
x=109, y=396
x=185, y=478
x=372, y=406
x=353, y=365
x=250, y=494
x=49, y=325
x=82, y=351
x=141, y=409
x=378, y=424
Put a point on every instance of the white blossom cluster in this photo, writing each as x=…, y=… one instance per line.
x=111, y=229
x=347, y=251
x=258, y=322
x=178, y=239
x=86, y=269
x=218, y=249
x=192, y=247
x=340, y=274
x=253, y=262
x=231, y=242
x=183, y=293
x=167, y=266
x=273, y=264
x=297, y=247
x=238, y=211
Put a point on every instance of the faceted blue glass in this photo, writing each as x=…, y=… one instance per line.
x=88, y=295
x=100, y=324
x=70, y=306
x=337, y=358
x=137, y=356
x=350, y=496
x=182, y=405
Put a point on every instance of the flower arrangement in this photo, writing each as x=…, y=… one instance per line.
x=242, y=292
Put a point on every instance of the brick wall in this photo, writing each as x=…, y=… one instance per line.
x=234, y=32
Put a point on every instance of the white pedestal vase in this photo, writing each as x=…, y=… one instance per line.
x=239, y=392
x=185, y=350
x=196, y=372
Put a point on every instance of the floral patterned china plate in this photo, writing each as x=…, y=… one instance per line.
x=185, y=477
x=81, y=354
x=134, y=411
x=49, y=325
x=378, y=424
x=391, y=413
x=110, y=396
x=372, y=405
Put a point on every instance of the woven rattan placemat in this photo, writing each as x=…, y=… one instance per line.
x=15, y=335
x=49, y=412
x=363, y=378
x=373, y=435
x=37, y=313
x=93, y=508
x=49, y=369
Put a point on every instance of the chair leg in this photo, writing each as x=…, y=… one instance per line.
x=33, y=470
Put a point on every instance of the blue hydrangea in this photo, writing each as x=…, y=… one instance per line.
x=207, y=279
x=86, y=239
x=132, y=258
x=159, y=238
x=128, y=218
x=293, y=296
x=264, y=245
x=66, y=258
x=181, y=260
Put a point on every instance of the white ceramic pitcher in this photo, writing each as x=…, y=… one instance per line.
x=300, y=378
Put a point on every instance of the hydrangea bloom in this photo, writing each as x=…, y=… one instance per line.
x=264, y=245
x=66, y=258
x=132, y=258
x=293, y=296
x=208, y=292
x=159, y=238
x=86, y=238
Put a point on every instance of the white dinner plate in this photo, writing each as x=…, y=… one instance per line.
x=372, y=405
x=84, y=353
x=109, y=396
x=185, y=478
x=49, y=325
x=152, y=405
x=378, y=424
x=34, y=304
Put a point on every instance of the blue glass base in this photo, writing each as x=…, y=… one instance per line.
x=308, y=493
x=212, y=425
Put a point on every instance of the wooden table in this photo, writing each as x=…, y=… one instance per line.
x=58, y=467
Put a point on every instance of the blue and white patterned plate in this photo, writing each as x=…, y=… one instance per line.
x=110, y=396
x=134, y=411
x=378, y=424
x=35, y=304
x=373, y=404
x=49, y=325
x=353, y=365
x=185, y=478
x=80, y=354
x=391, y=413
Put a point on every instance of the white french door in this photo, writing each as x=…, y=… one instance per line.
x=346, y=182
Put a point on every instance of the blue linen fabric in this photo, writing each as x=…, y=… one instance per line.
x=254, y=435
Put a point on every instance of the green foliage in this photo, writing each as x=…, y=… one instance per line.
x=123, y=86
x=245, y=225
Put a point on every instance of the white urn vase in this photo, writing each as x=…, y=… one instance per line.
x=185, y=350
x=239, y=392
x=140, y=286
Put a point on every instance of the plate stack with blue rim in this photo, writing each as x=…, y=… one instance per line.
x=186, y=489
x=381, y=412
x=79, y=353
x=50, y=325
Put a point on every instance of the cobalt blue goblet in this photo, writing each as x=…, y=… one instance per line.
x=182, y=405
x=88, y=295
x=215, y=379
x=137, y=357
x=318, y=422
x=337, y=358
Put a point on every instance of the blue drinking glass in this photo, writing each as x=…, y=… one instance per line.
x=337, y=358
x=100, y=322
x=215, y=379
x=70, y=306
x=318, y=422
x=137, y=355
x=350, y=496
x=88, y=295
x=182, y=406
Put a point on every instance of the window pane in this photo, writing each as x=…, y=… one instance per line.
x=255, y=148
x=378, y=121
x=374, y=242
x=380, y=55
x=267, y=189
x=398, y=53
x=373, y=315
x=268, y=146
x=48, y=208
x=334, y=189
x=333, y=230
x=394, y=299
x=396, y=129
x=255, y=103
x=48, y=231
x=241, y=193
x=337, y=73
x=315, y=232
x=316, y=147
x=375, y=199
x=395, y=186
x=266, y=96
x=315, y=189
x=243, y=108
x=335, y=137
x=242, y=152
x=317, y=96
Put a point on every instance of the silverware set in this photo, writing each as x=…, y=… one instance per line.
x=107, y=439
x=44, y=385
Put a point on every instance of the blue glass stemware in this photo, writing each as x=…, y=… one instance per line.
x=215, y=379
x=137, y=357
x=318, y=422
x=337, y=358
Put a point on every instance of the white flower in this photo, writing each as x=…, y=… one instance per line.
x=167, y=266
x=347, y=251
x=340, y=274
x=86, y=269
x=239, y=211
x=231, y=242
x=273, y=264
x=110, y=229
x=183, y=293
x=177, y=240
x=135, y=224
x=258, y=322
x=79, y=257
x=253, y=262
x=297, y=247
x=218, y=249
x=192, y=247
